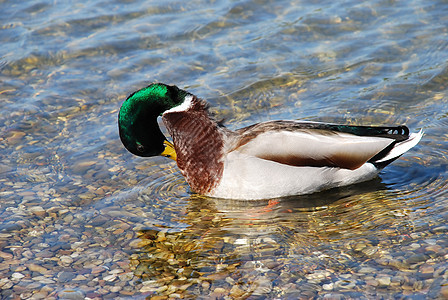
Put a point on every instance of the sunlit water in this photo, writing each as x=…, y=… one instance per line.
x=80, y=217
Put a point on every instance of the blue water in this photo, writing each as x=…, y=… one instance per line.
x=82, y=217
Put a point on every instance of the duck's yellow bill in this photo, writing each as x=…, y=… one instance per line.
x=169, y=151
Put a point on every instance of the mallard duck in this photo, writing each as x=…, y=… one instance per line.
x=261, y=161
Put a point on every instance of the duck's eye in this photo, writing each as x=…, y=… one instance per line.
x=140, y=148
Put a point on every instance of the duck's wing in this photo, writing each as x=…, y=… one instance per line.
x=319, y=144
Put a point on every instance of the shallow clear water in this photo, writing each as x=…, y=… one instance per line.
x=80, y=217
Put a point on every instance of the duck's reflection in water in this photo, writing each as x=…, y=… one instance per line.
x=251, y=248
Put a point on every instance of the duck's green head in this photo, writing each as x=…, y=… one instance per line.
x=137, y=119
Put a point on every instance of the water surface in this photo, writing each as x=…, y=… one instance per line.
x=80, y=217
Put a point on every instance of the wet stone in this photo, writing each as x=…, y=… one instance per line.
x=65, y=259
x=264, y=286
x=434, y=248
x=367, y=270
x=384, y=281
x=18, y=268
x=38, y=211
x=426, y=272
x=39, y=295
x=97, y=270
x=372, y=282
x=399, y=264
x=18, y=289
x=444, y=292
x=15, y=137
x=334, y=296
x=414, y=246
x=98, y=221
x=9, y=227
x=37, y=268
x=416, y=258
x=110, y=278
x=431, y=241
x=60, y=246
x=328, y=286
x=81, y=167
x=440, y=229
x=307, y=294
x=7, y=293
x=17, y=276
x=6, y=255
x=236, y=292
x=43, y=280
x=71, y=295
x=6, y=284
x=66, y=276
x=360, y=246
x=80, y=278
x=44, y=254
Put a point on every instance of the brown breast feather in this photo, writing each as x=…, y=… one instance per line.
x=198, y=143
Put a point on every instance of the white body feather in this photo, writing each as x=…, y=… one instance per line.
x=248, y=177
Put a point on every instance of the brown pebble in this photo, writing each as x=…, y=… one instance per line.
x=127, y=293
x=4, y=266
x=157, y=297
x=135, y=243
x=6, y=255
x=118, y=231
x=372, y=282
x=93, y=295
x=219, y=290
x=13, y=262
x=38, y=211
x=427, y=269
x=96, y=270
x=19, y=289
x=39, y=295
x=82, y=166
x=64, y=237
x=46, y=289
x=20, y=269
x=37, y=268
x=65, y=259
x=15, y=137
x=435, y=248
x=79, y=277
x=444, y=292
x=26, y=193
x=236, y=292
x=218, y=293
x=205, y=285
x=216, y=276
